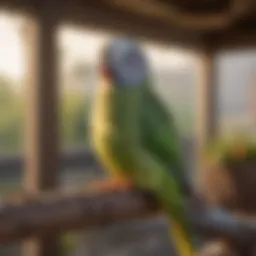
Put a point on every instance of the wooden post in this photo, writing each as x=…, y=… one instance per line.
x=42, y=129
x=206, y=101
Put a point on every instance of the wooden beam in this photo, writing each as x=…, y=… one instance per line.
x=69, y=159
x=50, y=213
x=42, y=123
x=207, y=119
x=101, y=16
x=233, y=40
x=172, y=15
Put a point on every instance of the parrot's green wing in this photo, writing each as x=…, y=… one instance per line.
x=161, y=138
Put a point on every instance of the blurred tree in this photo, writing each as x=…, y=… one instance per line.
x=11, y=117
x=74, y=119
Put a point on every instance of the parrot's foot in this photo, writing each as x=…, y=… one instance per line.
x=112, y=184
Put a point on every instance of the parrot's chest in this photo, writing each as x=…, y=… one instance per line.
x=115, y=129
x=112, y=154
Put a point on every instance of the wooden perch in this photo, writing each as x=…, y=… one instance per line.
x=51, y=214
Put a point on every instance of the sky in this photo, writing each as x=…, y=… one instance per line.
x=11, y=54
x=76, y=44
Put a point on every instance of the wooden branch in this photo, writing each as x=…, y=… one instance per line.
x=49, y=214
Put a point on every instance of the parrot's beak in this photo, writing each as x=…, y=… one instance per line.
x=105, y=75
x=104, y=69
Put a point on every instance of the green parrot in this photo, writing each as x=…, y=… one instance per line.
x=118, y=139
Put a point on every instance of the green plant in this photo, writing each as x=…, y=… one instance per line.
x=236, y=148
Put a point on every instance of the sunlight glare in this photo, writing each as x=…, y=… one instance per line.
x=11, y=57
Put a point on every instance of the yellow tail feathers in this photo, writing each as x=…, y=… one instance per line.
x=182, y=244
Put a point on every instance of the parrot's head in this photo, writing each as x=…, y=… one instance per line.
x=124, y=63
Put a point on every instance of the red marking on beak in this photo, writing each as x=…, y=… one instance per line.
x=105, y=72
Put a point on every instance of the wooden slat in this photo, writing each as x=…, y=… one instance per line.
x=71, y=158
x=80, y=157
x=42, y=129
x=206, y=102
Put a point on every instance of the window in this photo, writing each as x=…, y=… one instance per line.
x=236, y=92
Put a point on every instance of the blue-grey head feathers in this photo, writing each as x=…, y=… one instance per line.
x=126, y=62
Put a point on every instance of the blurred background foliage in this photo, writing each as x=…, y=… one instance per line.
x=73, y=118
x=11, y=117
